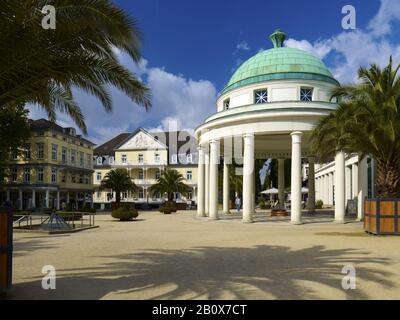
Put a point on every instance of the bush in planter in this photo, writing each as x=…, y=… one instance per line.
x=168, y=207
x=125, y=213
x=319, y=204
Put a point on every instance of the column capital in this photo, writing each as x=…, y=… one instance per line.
x=296, y=136
x=248, y=135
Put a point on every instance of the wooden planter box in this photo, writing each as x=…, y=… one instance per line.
x=6, y=248
x=382, y=216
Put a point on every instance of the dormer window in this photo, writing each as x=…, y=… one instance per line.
x=306, y=94
x=99, y=161
x=227, y=103
x=189, y=158
x=260, y=96
x=111, y=160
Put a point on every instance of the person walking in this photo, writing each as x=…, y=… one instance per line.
x=238, y=203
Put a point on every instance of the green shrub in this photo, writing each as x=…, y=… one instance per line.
x=168, y=207
x=125, y=213
x=262, y=203
x=319, y=204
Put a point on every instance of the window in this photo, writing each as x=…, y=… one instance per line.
x=64, y=155
x=40, y=150
x=260, y=96
x=174, y=158
x=141, y=194
x=158, y=195
x=14, y=155
x=123, y=158
x=190, y=195
x=111, y=160
x=73, y=178
x=140, y=159
x=157, y=158
x=158, y=174
x=98, y=176
x=89, y=160
x=141, y=175
x=99, y=161
x=40, y=175
x=226, y=104
x=189, y=175
x=63, y=178
x=53, y=175
x=87, y=180
x=27, y=174
x=54, y=149
x=81, y=159
x=27, y=151
x=189, y=158
x=98, y=194
x=80, y=179
x=306, y=94
x=73, y=156
x=14, y=174
x=124, y=195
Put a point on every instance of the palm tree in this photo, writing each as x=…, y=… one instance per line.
x=367, y=122
x=170, y=181
x=119, y=181
x=42, y=67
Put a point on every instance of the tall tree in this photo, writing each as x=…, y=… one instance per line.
x=170, y=181
x=367, y=122
x=118, y=180
x=42, y=67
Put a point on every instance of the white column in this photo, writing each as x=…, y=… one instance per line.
x=281, y=182
x=33, y=198
x=213, y=197
x=311, y=184
x=67, y=197
x=325, y=189
x=330, y=188
x=58, y=201
x=340, y=190
x=20, y=199
x=206, y=181
x=200, y=179
x=295, y=213
x=348, y=178
x=354, y=180
x=362, y=188
x=226, y=187
x=248, y=177
x=47, y=199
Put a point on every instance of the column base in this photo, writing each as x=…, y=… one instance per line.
x=227, y=212
x=213, y=218
x=296, y=223
x=201, y=215
x=359, y=219
x=339, y=221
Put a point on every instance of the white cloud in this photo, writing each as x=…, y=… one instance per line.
x=243, y=46
x=352, y=49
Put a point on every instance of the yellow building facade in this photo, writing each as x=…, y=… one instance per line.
x=54, y=169
x=145, y=155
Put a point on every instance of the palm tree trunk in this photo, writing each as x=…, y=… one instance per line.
x=117, y=198
x=388, y=179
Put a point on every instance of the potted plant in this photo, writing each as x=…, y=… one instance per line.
x=169, y=182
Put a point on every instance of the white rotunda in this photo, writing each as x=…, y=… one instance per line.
x=267, y=110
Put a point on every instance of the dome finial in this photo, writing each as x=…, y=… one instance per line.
x=278, y=38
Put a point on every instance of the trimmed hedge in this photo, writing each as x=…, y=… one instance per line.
x=125, y=213
x=319, y=204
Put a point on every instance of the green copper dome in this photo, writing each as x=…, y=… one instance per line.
x=279, y=63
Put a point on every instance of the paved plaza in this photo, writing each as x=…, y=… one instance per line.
x=180, y=256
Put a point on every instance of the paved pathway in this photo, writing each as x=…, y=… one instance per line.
x=180, y=256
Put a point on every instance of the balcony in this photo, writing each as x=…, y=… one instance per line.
x=139, y=164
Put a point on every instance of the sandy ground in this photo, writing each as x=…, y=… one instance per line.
x=180, y=256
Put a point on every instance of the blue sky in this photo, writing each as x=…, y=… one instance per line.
x=191, y=49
